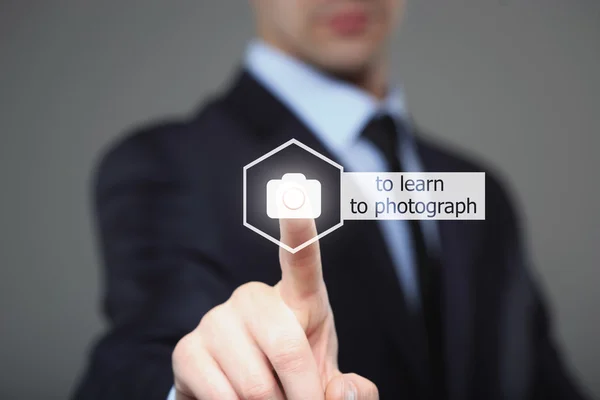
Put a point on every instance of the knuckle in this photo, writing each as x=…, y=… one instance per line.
x=213, y=316
x=250, y=296
x=217, y=325
x=372, y=391
x=183, y=353
x=211, y=324
x=288, y=356
x=249, y=290
x=256, y=389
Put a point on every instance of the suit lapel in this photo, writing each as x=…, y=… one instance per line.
x=461, y=242
x=458, y=302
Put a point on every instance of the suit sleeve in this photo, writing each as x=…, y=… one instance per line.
x=551, y=379
x=157, y=284
x=549, y=375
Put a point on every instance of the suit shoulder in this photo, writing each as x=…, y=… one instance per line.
x=136, y=151
x=154, y=142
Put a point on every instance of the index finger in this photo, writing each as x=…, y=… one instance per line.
x=301, y=272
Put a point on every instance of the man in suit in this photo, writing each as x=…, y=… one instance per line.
x=202, y=308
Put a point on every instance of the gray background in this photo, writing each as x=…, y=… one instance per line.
x=514, y=81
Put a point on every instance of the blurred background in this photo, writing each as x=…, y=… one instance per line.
x=516, y=82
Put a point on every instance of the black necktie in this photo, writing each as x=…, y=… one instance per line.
x=383, y=132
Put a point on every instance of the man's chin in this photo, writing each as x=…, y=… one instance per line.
x=352, y=50
x=345, y=63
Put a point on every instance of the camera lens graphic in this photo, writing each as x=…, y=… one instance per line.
x=293, y=198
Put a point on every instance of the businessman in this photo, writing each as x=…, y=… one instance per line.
x=202, y=308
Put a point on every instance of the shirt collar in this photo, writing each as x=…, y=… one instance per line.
x=334, y=110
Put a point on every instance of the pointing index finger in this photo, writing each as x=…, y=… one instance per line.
x=301, y=272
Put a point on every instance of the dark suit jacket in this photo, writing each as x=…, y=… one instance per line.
x=169, y=212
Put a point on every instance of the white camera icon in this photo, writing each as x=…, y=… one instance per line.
x=293, y=196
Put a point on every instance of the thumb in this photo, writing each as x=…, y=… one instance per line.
x=351, y=387
x=301, y=271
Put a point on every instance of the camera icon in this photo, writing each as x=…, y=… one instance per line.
x=293, y=196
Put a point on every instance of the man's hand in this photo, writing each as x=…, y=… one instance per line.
x=270, y=342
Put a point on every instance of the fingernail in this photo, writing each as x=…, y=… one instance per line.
x=351, y=393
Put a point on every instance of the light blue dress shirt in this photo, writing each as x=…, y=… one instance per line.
x=336, y=112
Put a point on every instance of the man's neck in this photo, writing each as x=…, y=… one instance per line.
x=372, y=78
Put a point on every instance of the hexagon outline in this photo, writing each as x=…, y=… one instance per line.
x=269, y=237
